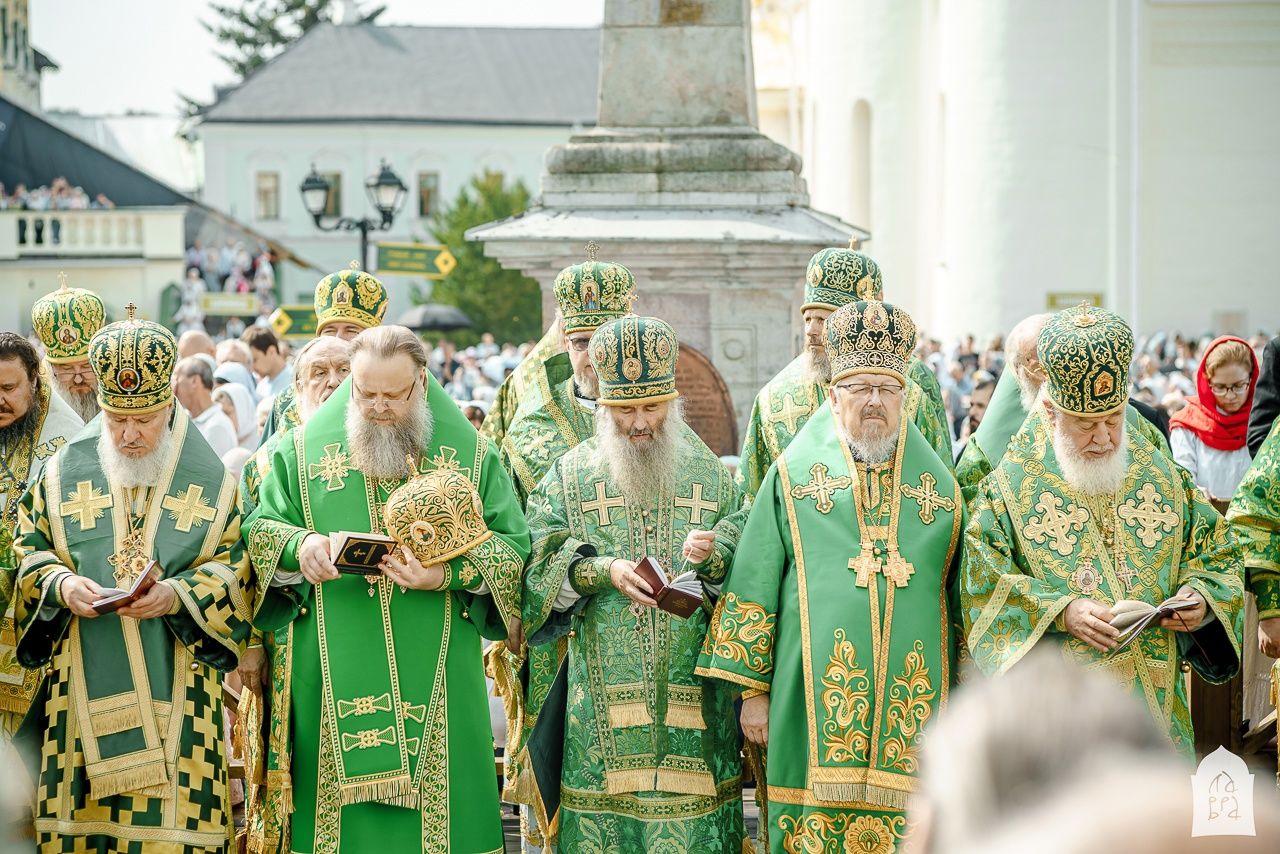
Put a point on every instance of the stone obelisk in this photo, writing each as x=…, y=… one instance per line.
x=677, y=183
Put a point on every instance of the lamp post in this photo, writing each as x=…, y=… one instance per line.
x=386, y=193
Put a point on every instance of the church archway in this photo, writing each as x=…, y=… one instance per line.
x=708, y=406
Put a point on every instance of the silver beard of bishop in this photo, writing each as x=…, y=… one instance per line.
x=641, y=472
x=128, y=472
x=382, y=451
x=817, y=367
x=1092, y=477
x=587, y=384
x=870, y=448
x=84, y=405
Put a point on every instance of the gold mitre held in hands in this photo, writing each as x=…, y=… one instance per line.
x=437, y=516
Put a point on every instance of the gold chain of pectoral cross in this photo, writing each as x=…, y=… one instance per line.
x=131, y=558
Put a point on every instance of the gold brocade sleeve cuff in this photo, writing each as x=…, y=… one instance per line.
x=750, y=693
x=591, y=575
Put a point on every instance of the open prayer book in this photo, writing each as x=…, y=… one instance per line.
x=359, y=553
x=681, y=595
x=113, y=598
x=1131, y=616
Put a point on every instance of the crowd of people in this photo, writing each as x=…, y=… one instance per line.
x=342, y=531
x=59, y=195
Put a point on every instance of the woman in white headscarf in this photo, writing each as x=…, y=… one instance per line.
x=237, y=403
x=234, y=373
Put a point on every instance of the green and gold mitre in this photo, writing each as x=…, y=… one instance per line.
x=837, y=277
x=437, y=516
x=133, y=360
x=66, y=320
x=350, y=296
x=635, y=361
x=593, y=293
x=1086, y=353
x=869, y=337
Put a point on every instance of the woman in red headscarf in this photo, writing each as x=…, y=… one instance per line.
x=1208, y=436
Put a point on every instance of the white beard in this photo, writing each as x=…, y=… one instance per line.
x=872, y=450
x=587, y=384
x=129, y=472
x=84, y=405
x=641, y=473
x=383, y=452
x=817, y=367
x=1092, y=477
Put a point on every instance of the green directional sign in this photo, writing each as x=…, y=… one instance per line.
x=420, y=259
x=295, y=322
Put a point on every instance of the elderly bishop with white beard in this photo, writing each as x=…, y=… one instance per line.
x=385, y=738
x=1083, y=520
x=837, y=622
x=649, y=750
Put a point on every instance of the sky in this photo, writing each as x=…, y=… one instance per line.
x=119, y=55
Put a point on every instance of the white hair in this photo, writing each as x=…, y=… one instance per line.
x=642, y=472
x=128, y=472
x=1086, y=476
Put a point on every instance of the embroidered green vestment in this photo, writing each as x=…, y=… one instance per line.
x=1255, y=515
x=842, y=607
x=380, y=733
x=651, y=758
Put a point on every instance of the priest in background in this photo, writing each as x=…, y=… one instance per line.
x=34, y=423
x=649, y=751
x=1083, y=512
x=129, y=720
x=838, y=622
x=381, y=735
x=64, y=321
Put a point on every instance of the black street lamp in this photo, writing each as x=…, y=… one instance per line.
x=386, y=193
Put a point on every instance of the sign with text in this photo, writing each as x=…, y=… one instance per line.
x=421, y=259
x=1058, y=300
x=294, y=322
x=218, y=304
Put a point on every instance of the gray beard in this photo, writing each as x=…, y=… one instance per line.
x=84, y=405
x=383, y=452
x=129, y=472
x=642, y=474
x=1092, y=477
x=587, y=385
x=817, y=367
x=1028, y=395
x=871, y=450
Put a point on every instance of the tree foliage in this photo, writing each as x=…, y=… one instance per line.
x=253, y=31
x=503, y=302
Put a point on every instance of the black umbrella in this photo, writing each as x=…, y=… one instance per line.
x=435, y=317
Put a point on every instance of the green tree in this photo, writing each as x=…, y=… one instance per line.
x=503, y=302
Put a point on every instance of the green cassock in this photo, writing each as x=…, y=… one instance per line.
x=1002, y=422
x=856, y=652
x=1255, y=515
x=129, y=721
x=380, y=731
x=788, y=400
x=650, y=755
x=1034, y=545
x=550, y=422
x=19, y=467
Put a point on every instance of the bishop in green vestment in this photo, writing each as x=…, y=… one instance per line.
x=380, y=732
x=557, y=413
x=65, y=321
x=835, y=277
x=36, y=424
x=1016, y=396
x=1082, y=513
x=128, y=723
x=347, y=302
x=650, y=752
x=1255, y=515
x=838, y=621
x=512, y=390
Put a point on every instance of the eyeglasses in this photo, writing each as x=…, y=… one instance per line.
x=391, y=401
x=1233, y=389
x=70, y=372
x=579, y=345
x=859, y=391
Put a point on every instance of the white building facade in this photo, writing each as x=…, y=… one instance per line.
x=1011, y=156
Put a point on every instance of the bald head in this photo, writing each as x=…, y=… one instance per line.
x=195, y=341
x=322, y=364
x=1020, y=355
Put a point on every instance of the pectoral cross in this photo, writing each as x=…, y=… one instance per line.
x=87, y=503
x=821, y=486
x=332, y=467
x=190, y=509
x=696, y=505
x=791, y=412
x=603, y=505
x=865, y=565
x=129, y=560
x=928, y=497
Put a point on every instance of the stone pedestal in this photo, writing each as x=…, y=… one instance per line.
x=677, y=184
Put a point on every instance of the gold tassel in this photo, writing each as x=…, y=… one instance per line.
x=128, y=780
x=398, y=791
x=626, y=715
x=686, y=782
x=118, y=720
x=685, y=716
x=632, y=780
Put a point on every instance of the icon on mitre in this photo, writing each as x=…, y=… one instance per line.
x=437, y=516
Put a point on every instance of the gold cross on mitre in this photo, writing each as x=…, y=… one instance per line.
x=354, y=265
x=853, y=241
x=592, y=249
x=190, y=509
x=132, y=310
x=62, y=281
